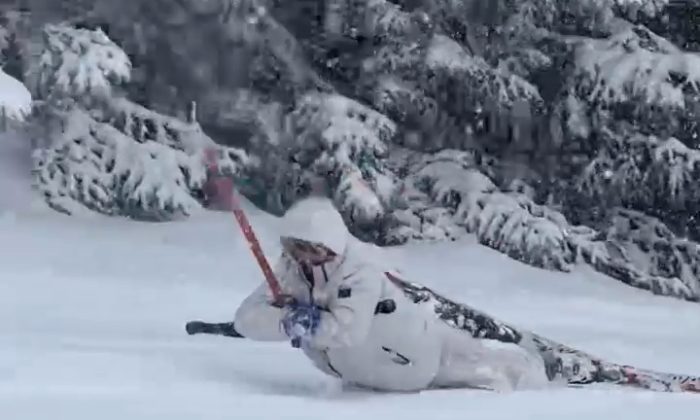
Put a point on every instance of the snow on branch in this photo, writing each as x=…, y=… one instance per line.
x=143, y=125
x=94, y=165
x=417, y=216
x=638, y=65
x=677, y=169
x=445, y=54
x=462, y=83
x=426, y=125
x=76, y=63
x=378, y=19
x=344, y=141
x=449, y=194
x=632, y=260
x=15, y=99
x=643, y=172
x=668, y=256
x=383, y=18
x=123, y=159
x=406, y=102
x=649, y=8
x=508, y=222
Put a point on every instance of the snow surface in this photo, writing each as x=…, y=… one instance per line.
x=93, y=310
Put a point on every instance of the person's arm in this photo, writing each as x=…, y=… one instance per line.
x=348, y=318
x=257, y=318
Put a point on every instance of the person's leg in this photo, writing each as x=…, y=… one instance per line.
x=475, y=363
x=460, y=369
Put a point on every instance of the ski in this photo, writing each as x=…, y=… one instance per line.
x=578, y=367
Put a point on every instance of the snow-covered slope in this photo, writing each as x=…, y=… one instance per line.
x=92, y=313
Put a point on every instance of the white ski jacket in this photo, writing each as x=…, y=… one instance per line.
x=408, y=349
x=384, y=351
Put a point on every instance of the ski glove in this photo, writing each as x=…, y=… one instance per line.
x=301, y=321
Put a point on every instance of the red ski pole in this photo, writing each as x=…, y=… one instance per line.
x=227, y=191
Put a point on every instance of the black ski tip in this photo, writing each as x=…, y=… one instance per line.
x=194, y=327
x=226, y=329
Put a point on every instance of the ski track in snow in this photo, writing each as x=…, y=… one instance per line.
x=93, y=314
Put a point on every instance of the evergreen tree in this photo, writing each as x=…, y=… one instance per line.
x=103, y=152
x=552, y=130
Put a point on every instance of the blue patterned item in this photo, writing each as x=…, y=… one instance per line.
x=301, y=321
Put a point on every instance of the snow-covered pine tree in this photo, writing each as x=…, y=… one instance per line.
x=464, y=86
x=71, y=65
x=96, y=166
x=451, y=193
x=454, y=79
x=508, y=221
x=274, y=181
x=346, y=143
x=641, y=93
x=103, y=152
x=671, y=258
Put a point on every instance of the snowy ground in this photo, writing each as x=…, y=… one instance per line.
x=93, y=309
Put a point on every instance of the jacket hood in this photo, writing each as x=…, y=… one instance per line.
x=315, y=219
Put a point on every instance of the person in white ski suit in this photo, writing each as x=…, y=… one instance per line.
x=355, y=324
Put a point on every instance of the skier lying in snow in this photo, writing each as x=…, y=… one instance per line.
x=354, y=323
